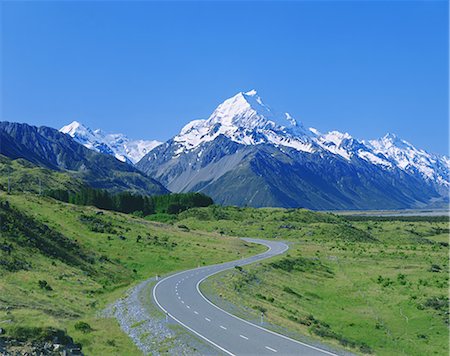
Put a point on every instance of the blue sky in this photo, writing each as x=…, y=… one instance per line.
x=147, y=68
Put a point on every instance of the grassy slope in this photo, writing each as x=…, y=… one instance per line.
x=367, y=285
x=111, y=266
x=25, y=176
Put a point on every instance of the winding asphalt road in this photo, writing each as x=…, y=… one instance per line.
x=180, y=298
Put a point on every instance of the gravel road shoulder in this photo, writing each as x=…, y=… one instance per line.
x=146, y=325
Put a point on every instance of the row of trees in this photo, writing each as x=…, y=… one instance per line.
x=127, y=202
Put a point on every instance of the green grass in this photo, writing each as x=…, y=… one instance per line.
x=109, y=252
x=25, y=177
x=368, y=286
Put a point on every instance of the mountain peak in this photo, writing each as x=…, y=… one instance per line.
x=117, y=145
x=392, y=140
x=251, y=93
x=390, y=136
x=245, y=119
x=247, y=110
x=74, y=126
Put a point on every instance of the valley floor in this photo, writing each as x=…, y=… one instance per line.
x=371, y=286
x=62, y=264
x=366, y=284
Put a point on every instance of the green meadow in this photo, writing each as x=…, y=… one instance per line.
x=62, y=264
x=369, y=285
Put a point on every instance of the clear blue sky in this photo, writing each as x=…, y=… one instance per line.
x=148, y=68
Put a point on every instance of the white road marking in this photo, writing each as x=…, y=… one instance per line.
x=187, y=306
x=195, y=312
x=207, y=319
x=244, y=337
x=215, y=270
x=269, y=348
x=179, y=297
x=182, y=301
x=223, y=327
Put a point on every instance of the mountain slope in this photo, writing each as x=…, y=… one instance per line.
x=51, y=149
x=246, y=154
x=25, y=176
x=117, y=145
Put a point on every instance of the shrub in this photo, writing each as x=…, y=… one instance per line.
x=260, y=308
x=83, y=327
x=435, y=268
x=44, y=285
x=24, y=333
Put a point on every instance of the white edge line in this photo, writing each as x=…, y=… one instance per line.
x=183, y=324
x=257, y=326
x=234, y=316
x=207, y=268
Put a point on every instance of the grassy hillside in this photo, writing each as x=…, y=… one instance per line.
x=60, y=264
x=370, y=285
x=25, y=177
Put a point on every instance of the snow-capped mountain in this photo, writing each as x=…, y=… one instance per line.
x=48, y=148
x=117, y=145
x=246, y=120
x=405, y=156
x=234, y=154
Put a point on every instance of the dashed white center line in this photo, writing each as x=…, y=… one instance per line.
x=269, y=348
x=187, y=306
x=223, y=327
x=179, y=297
x=182, y=302
x=195, y=312
x=207, y=319
x=244, y=337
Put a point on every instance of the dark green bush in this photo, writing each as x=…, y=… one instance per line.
x=83, y=327
x=44, y=285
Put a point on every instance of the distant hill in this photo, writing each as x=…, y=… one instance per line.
x=51, y=149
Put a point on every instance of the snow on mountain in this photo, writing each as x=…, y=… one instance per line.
x=335, y=142
x=117, y=145
x=344, y=145
x=245, y=119
x=411, y=159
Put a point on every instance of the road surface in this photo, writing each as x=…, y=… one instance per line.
x=180, y=298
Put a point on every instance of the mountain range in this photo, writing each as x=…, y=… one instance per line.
x=51, y=149
x=117, y=145
x=247, y=154
x=244, y=154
